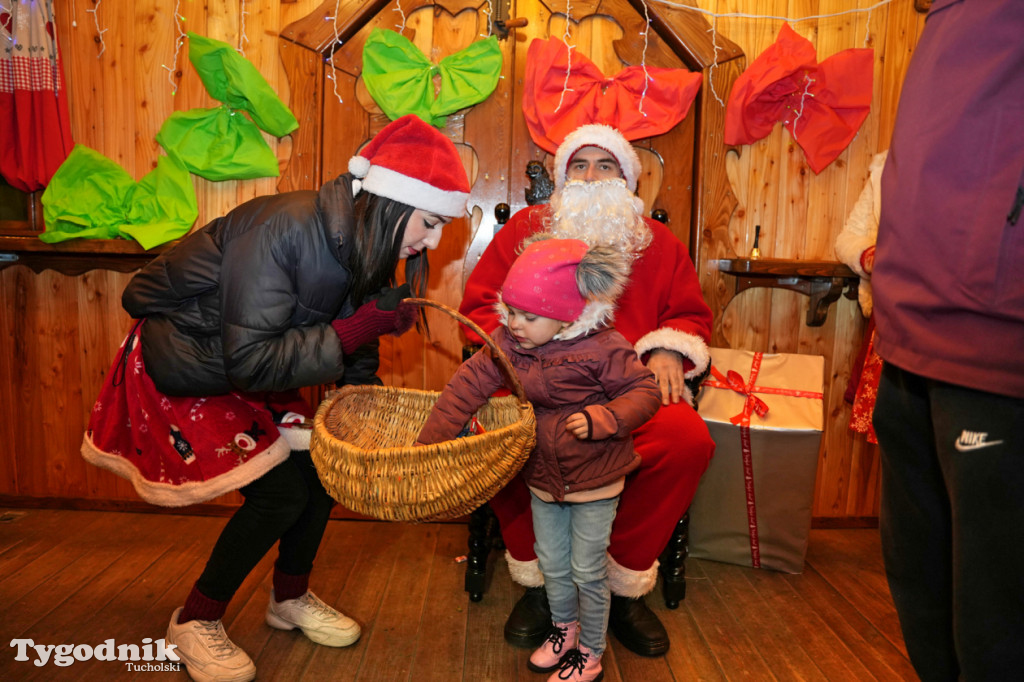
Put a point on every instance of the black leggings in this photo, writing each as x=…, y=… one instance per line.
x=288, y=503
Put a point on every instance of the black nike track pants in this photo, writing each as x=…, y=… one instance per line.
x=952, y=524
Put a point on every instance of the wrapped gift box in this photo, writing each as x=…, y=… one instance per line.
x=765, y=413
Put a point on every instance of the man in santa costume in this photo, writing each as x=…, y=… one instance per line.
x=663, y=314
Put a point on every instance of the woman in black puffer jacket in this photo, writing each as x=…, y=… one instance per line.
x=283, y=292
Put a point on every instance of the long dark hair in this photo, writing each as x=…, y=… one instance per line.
x=380, y=228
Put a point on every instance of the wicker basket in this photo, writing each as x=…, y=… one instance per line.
x=362, y=446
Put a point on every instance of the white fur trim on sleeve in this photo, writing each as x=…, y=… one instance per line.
x=297, y=438
x=690, y=346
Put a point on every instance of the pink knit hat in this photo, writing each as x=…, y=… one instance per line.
x=542, y=280
x=414, y=163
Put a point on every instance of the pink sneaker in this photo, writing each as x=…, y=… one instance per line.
x=561, y=638
x=579, y=665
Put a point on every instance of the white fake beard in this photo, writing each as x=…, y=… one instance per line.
x=601, y=213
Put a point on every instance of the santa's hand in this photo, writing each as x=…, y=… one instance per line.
x=578, y=426
x=667, y=366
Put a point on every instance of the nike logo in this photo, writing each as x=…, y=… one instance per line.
x=974, y=440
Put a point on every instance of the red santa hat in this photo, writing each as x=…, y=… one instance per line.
x=414, y=163
x=604, y=137
x=542, y=280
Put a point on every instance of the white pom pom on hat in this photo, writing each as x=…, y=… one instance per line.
x=412, y=162
x=359, y=166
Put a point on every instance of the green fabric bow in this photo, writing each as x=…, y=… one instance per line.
x=92, y=197
x=221, y=143
x=218, y=144
x=401, y=79
x=231, y=78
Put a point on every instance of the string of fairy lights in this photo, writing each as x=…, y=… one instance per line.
x=179, y=42
x=243, y=39
x=713, y=18
x=337, y=41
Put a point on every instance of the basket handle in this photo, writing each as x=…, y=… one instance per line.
x=503, y=361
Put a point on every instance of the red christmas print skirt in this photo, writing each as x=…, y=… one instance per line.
x=182, y=450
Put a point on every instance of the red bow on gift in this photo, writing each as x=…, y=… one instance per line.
x=555, y=105
x=734, y=380
x=753, y=405
x=822, y=105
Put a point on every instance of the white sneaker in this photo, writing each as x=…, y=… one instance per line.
x=318, y=621
x=206, y=651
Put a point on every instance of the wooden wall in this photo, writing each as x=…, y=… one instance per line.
x=59, y=333
x=801, y=214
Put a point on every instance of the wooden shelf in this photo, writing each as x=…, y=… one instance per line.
x=75, y=256
x=823, y=281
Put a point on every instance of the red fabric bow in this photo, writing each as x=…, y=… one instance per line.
x=822, y=105
x=554, y=107
x=734, y=380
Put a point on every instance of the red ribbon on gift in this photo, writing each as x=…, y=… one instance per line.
x=752, y=405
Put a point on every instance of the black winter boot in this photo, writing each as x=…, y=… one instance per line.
x=636, y=627
x=530, y=620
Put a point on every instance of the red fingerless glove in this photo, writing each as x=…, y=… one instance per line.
x=386, y=315
x=867, y=259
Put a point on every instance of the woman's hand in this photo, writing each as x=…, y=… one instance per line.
x=867, y=259
x=578, y=426
x=386, y=315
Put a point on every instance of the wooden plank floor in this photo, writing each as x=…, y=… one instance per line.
x=81, y=577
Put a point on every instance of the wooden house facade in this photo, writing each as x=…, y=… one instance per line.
x=126, y=70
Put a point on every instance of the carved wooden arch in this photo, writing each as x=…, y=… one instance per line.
x=685, y=170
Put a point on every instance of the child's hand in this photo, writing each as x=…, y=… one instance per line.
x=578, y=426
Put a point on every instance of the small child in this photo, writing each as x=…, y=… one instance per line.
x=589, y=391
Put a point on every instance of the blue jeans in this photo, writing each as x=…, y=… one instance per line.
x=572, y=549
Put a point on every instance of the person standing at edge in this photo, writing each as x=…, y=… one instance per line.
x=949, y=308
x=284, y=291
x=663, y=314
